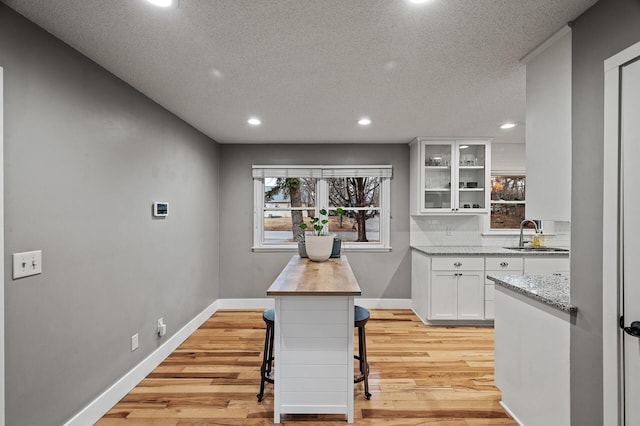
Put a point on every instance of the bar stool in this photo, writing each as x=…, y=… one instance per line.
x=361, y=316
x=267, y=358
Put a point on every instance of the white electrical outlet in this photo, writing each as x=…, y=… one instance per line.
x=162, y=327
x=27, y=263
x=134, y=342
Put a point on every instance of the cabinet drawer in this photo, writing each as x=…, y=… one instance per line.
x=505, y=264
x=457, y=264
x=546, y=265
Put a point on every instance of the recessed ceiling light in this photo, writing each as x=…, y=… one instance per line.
x=508, y=126
x=161, y=3
x=364, y=122
x=254, y=121
x=216, y=73
x=418, y=1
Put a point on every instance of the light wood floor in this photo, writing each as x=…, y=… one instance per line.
x=420, y=375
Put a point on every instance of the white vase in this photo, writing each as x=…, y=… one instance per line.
x=319, y=247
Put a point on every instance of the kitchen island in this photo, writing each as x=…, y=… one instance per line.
x=533, y=315
x=314, y=310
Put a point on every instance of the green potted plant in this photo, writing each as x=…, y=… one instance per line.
x=318, y=243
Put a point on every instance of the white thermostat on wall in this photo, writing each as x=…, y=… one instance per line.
x=160, y=209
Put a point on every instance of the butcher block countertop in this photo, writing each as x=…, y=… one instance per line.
x=303, y=277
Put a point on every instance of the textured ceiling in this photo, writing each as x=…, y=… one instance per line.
x=311, y=68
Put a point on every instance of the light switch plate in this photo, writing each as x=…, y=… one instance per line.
x=27, y=263
x=134, y=342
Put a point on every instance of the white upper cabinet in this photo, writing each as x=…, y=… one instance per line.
x=450, y=176
x=548, y=129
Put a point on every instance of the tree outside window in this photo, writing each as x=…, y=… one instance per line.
x=507, y=201
x=359, y=197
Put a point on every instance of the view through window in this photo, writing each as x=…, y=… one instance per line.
x=507, y=202
x=289, y=200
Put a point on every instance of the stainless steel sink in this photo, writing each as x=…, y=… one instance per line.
x=539, y=249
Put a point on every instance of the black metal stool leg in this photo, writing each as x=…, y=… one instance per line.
x=363, y=361
x=363, y=365
x=267, y=360
x=263, y=371
x=270, y=358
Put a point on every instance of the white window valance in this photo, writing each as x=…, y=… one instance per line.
x=288, y=171
x=268, y=171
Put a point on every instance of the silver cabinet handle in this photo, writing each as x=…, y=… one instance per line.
x=457, y=264
x=504, y=264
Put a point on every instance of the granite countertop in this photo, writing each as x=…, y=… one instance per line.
x=552, y=290
x=483, y=251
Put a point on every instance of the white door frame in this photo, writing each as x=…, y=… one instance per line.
x=2, y=408
x=612, y=361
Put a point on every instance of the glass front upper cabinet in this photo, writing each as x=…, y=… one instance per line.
x=450, y=176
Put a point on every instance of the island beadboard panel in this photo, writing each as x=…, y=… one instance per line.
x=419, y=375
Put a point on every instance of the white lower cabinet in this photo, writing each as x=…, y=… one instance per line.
x=496, y=267
x=456, y=290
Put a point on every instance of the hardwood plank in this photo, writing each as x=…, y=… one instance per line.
x=420, y=375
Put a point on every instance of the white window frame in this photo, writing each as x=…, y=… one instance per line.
x=487, y=231
x=322, y=173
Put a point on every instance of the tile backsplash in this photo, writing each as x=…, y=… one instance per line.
x=465, y=230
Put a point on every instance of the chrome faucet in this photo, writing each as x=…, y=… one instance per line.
x=535, y=226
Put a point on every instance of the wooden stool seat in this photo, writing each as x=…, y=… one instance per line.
x=361, y=316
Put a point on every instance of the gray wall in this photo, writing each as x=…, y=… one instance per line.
x=602, y=31
x=244, y=274
x=85, y=156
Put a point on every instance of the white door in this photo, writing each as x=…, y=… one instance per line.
x=1, y=251
x=630, y=161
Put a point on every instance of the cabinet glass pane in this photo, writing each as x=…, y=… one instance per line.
x=471, y=176
x=437, y=176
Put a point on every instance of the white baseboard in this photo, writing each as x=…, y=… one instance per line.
x=513, y=416
x=262, y=303
x=424, y=321
x=383, y=303
x=265, y=303
x=103, y=403
x=110, y=397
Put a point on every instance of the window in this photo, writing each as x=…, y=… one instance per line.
x=508, y=200
x=286, y=196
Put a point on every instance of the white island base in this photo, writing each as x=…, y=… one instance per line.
x=532, y=359
x=314, y=320
x=314, y=356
